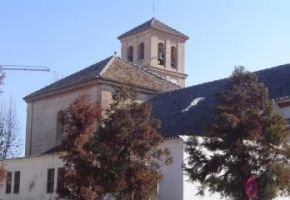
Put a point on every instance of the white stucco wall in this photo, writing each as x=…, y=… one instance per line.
x=33, y=177
x=175, y=184
x=285, y=111
x=171, y=185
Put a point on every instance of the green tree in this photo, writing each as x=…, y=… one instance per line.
x=121, y=158
x=247, y=138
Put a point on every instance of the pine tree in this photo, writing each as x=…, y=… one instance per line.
x=120, y=157
x=247, y=138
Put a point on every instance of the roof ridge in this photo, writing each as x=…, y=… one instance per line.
x=169, y=27
x=255, y=72
x=112, y=58
x=224, y=79
x=271, y=68
x=152, y=20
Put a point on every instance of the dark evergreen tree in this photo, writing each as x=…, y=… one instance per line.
x=247, y=138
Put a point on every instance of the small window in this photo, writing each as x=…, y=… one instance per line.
x=60, y=124
x=141, y=51
x=173, y=57
x=130, y=54
x=60, y=179
x=16, y=182
x=8, y=182
x=50, y=181
x=161, y=54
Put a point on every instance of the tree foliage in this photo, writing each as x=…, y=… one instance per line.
x=121, y=158
x=247, y=138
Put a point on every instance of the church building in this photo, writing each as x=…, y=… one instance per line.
x=152, y=60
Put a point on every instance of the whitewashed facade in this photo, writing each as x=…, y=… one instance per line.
x=33, y=177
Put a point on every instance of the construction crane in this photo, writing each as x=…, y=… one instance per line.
x=24, y=68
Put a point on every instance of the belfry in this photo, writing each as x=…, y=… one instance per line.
x=157, y=47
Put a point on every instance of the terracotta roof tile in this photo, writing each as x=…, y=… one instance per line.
x=125, y=72
x=112, y=69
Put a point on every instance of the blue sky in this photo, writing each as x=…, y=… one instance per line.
x=69, y=35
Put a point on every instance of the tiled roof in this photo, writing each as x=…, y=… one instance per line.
x=154, y=24
x=112, y=69
x=170, y=107
x=84, y=75
x=123, y=71
x=53, y=150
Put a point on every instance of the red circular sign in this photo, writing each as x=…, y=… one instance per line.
x=251, y=187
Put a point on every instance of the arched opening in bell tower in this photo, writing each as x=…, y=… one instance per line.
x=161, y=54
x=173, y=57
x=141, y=51
x=130, y=54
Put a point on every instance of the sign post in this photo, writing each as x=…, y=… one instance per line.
x=251, y=187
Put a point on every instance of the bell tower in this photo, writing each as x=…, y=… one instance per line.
x=157, y=47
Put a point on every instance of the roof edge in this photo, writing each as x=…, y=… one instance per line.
x=139, y=29
x=35, y=93
x=125, y=35
x=107, y=65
